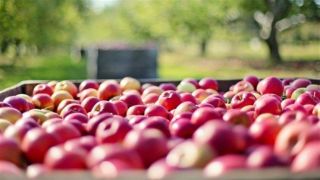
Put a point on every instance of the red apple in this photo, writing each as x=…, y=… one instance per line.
x=136, y=119
x=156, y=110
x=95, y=121
x=72, y=108
x=161, y=170
x=203, y=115
x=67, y=86
x=10, y=169
x=168, y=86
x=267, y=104
x=121, y=107
x=37, y=115
x=262, y=157
x=152, y=89
x=104, y=107
x=286, y=102
x=169, y=99
x=185, y=97
x=36, y=170
x=150, y=144
x=242, y=86
x=60, y=95
x=10, y=151
x=10, y=114
x=131, y=99
x=235, y=116
x=112, y=169
x=89, y=102
x=42, y=88
x=265, y=132
x=136, y=110
x=300, y=82
x=242, y=99
x=108, y=90
x=182, y=128
x=155, y=122
x=87, y=84
x=253, y=80
x=307, y=159
x=208, y=83
x=307, y=98
x=18, y=103
x=87, y=143
x=87, y=93
x=83, y=118
x=192, y=81
x=43, y=101
x=63, y=132
x=150, y=98
x=36, y=143
x=270, y=85
x=215, y=101
x=65, y=103
x=200, y=94
x=185, y=107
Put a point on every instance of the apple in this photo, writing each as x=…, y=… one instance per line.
x=131, y=99
x=67, y=86
x=42, y=88
x=43, y=101
x=184, y=86
x=185, y=107
x=108, y=90
x=52, y=84
x=72, y=108
x=130, y=83
x=208, y=83
x=36, y=143
x=242, y=86
x=111, y=168
x=161, y=170
x=263, y=156
x=10, y=151
x=112, y=131
x=4, y=124
x=114, y=151
x=290, y=116
x=307, y=159
x=65, y=103
x=216, y=134
x=58, y=157
x=87, y=143
x=182, y=128
x=50, y=122
x=136, y=119
x=104, y=107
x=270, y=85
x=190, y=155
x=253, y=80
x=286, y=102
x=9, y=168
x=95, y=121
x=152, y=89
x=267, y=104
x=3, y=104
x=136, y=110
x=200, y=94
x=265, y=132
x=18, y=103
x=168, y=86
x=88, y=84
x=36, y=170
x=150, y=98
x=89, y=102
x=87, y=93
x=297, y=92
x=63, y=132
x=60, y=95
x=81, y=127
x=203, y=115
x=150, y=144
x=155, y=122
x=121, y=107
x=188, y=97
x=156, y=110
x=288, y=91
x=169, y=99
x=10, y=114
x=316, y=110
x=307, y=98
x=235, y=116
x=242, y=99
x=300, y=82
x=223, y=164
x=37, y=115
x=192, y=81
x=215, y=101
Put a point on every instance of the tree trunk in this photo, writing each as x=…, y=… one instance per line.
x=203, y=47
x=273, y=46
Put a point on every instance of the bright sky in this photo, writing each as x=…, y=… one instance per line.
x=100, y=4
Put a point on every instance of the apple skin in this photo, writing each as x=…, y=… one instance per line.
x=267, y=104
x=152, y=89
x=189, y=154
x=286, y=102
x=156, y=110
x=68, y=86
x=215, y=101
x=121, y=107
x=59, y=96
x=113, y=130
x=81, y=127
x=203, y=115
x=82, y=118
x=63, y=131
x=9, y=168
x=161, y=170
x=168, y=86
x=254, y=80
x=136, y=110
x=307, y=159
x=155, y=122
x=4, y=124
x=18, y=103
x=150, y=144
x=237, y=117
x=270, y=85
x=200, y=94
x=51, y=122
x=36, y=143
x=3, y=104
x=184, y=86
x=65, y=103
x=131, y=99
x=263, y=157
x=93, y=123
x=297, y=92
x=89, y=102
x=10, y=151
x=36, y=170
x=72, y=108
x=215, y=134
x=106, y=152
x=169, y=99
x=111, y=169
x=242, y=86
x=265, y=132
x=87, y=84
x=316, y=110
x=242, y=99
x=128, y=83
x=224, y=164
x=43, y=101
x=108, y=90
x=182, y=128
x=288, y=91
x=87, y=143
x=150, y=98
x=192, y=81
x=307, y=98
x=133, y=120
x=42, y=88
x=104, y=107
x=11, y=114
x=185, y=97
x=290, y=116
x=185, y=107
x=208, y=83
x=87, y=93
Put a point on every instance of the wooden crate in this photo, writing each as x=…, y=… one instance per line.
x=26, y=87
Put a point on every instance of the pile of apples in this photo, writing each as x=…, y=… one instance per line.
x=116, y=126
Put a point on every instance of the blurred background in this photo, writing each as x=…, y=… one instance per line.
x=49, y=39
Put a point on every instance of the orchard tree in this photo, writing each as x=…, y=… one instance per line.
x=275, y=16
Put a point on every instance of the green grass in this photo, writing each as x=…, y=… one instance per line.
x=223, y=62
